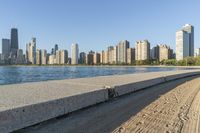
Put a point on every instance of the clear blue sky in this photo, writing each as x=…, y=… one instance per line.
x=96, y=24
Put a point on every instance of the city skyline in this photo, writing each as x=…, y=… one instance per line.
x=109, y=23
x=53, y=50
x=121, y=53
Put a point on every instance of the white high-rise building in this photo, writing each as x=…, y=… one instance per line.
x=115, y=54
x=58, y=57
x=96, y=58
x=110, y=54
x=51, y=59
x=31, y=51
x=61, y=57
x=64, y=57
x=43, y=56
x=102, y=57
x=197, y=52
x=142, y=50
x=38, y=56
x=182, y=45
x=185, y=42
x=122, y=51
x=74, y=53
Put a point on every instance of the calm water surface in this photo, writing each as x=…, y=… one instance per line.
x=11, y=75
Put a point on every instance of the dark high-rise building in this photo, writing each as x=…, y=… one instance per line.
x=53, y=50
x=154, y=53
x=82, y=58
x=5, y=48
x=56, y=47
x=14, y=42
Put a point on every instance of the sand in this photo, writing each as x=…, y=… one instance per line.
x=176, y=111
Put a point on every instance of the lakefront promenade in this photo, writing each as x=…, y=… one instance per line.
x=27, y=104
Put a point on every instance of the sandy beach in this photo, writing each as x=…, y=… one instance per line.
x=176, y=111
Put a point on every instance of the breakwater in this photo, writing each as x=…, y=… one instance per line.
x=27, y=104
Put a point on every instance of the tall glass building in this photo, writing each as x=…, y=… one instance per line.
x=14, y=42
x=185, y=42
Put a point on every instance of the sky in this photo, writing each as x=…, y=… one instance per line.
x=97, y=24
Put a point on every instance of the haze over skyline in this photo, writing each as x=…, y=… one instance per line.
x=97, y=24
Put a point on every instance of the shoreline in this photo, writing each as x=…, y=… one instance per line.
x=134, y=66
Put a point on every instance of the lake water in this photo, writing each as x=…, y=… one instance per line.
x=12, y=75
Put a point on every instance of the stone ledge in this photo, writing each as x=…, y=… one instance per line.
x=23, y=105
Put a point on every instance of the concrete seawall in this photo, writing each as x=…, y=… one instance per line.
x=23, y=105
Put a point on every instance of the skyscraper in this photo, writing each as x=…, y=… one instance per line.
x=154, y=53
x=64, y=57
x=52, y=51
x=5, y=48
x=14, y=42
x=110, y=54
x=185, y=42
x=58, y=57
x=96, y=58
x=106, y=57
x=164, y=52
x=115, y=55
x=142, y=50
x=102, y=57
x=75, y=53
x=130, y=55
x=43, y=57
x=51, y=59
x=182, y=45
x=82, y=59
x=197, y=52
x=190, y=30
x=90, y=58
x=38, y=57
x=31, y=51
x=55, y=49
x=20, y=56
x=122, y=51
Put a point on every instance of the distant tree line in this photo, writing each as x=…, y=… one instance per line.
x=188, y=61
